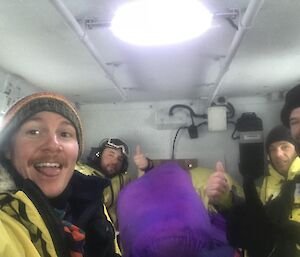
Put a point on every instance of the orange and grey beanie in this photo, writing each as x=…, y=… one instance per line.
x=24, y=108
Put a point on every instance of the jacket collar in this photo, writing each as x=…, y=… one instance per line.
x=6, y=181
x=293, y=170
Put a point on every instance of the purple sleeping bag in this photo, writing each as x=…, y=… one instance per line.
x=161, y=215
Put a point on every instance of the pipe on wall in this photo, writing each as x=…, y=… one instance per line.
x=245, y=24
x=74, y=25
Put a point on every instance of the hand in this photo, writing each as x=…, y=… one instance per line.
x=217, y=184
x=139, y=159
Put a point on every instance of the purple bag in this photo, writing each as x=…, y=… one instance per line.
x=161, y=215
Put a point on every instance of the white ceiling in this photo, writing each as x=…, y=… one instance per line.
x=40, y=45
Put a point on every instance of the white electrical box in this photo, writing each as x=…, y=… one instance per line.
x=216, y=118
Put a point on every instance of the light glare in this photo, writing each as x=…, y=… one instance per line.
x=160, y=22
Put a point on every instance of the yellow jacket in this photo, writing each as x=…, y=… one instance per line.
x=28, y=227
x=19, y=222
x=272, y=183
x=111, y=192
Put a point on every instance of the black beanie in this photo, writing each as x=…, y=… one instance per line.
x=292, y=101
x=278, y=133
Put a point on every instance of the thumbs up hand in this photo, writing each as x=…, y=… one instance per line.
x=217, y=184
x=139, y=159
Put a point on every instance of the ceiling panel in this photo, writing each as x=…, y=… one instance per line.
x=39, y=45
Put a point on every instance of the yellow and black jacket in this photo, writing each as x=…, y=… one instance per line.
x=273, y=183
x=268, y=222
x=29, y=225
x=110, y=193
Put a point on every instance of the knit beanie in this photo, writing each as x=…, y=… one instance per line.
x=292, y=101
x=278, y=133
x=26, y=107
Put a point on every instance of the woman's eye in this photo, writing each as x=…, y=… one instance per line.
x=33, y=132
x=67, y=134
x=294, y=122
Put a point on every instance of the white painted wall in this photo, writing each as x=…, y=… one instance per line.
x=12, y=87
x=149, y=125
x=136, y=124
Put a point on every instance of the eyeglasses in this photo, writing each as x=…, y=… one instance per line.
x=118, y=144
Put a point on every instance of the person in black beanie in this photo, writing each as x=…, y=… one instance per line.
x=266, y=222
x=280, y=147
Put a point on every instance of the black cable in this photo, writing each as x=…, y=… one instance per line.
x=233, y=136
x=192, y=113
x=173, y=147
x=183, y=127
x=230, y=109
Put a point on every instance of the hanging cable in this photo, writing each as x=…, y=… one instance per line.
x=174, y=141
x=183, y=127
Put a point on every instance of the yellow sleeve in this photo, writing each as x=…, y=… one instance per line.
x=199, y=178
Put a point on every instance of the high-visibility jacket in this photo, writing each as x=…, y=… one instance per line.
x=110, y=193
x=29, y=225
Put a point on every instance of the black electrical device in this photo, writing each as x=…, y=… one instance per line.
x=193, y=131
x=251, y=145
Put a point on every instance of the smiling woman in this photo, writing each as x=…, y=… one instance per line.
x=40, y=142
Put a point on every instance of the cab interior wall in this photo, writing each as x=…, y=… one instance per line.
x=137, y=124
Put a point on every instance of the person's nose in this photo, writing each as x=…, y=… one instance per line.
x=279, y=153
x=114, y=160
x=52, y=142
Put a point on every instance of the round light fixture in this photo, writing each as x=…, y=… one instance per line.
x=160, y=22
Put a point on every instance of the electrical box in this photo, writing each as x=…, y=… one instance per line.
x=216, y=118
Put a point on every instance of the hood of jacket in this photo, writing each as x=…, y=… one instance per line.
x=6, y=181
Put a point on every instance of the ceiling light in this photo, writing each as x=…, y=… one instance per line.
x=160, y=22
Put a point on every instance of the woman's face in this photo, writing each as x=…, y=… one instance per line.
x=45, y=150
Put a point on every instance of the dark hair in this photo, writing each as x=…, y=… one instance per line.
x=292, y=101
x=95, y=155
